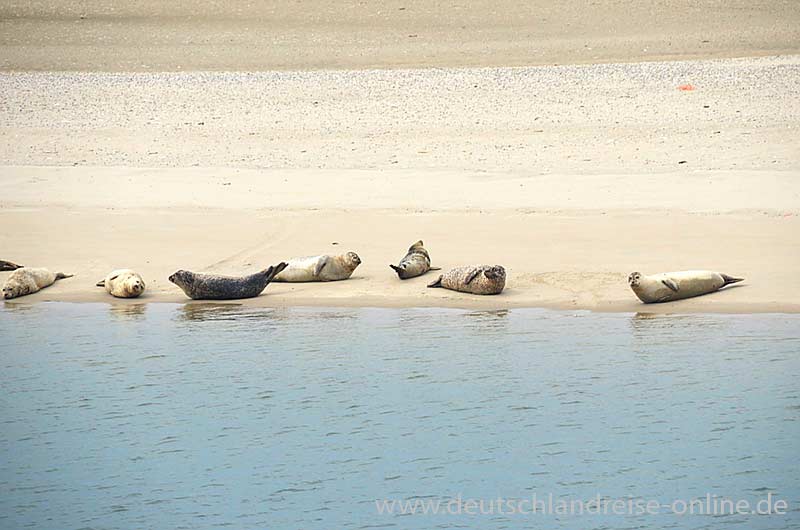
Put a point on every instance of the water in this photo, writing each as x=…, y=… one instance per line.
x=207, y=416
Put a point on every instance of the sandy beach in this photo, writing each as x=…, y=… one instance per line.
x=570, y=176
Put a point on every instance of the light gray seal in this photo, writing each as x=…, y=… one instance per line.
x=415, y=263
x=123, y=283
x=8, y=266
x=475, y=279
x=28, y=280
x=669, y=286
x=198, y=286
x=322, y=268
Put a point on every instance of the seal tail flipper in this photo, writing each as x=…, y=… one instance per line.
x=9, y=266
x=273, y=271
x=101, y=283
x=435, y=269
x=437, y=283
x=730, y=279
x=61, y=275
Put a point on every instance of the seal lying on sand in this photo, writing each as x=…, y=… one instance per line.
x=123, y=283
x=670, y=286
x=28, y=280
x=323, y=268
x=8, y=266
x=415, y=263
x=212, y=287
x=475, y=279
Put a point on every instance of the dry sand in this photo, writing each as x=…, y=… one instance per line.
x=570, y=176
x=154, y=35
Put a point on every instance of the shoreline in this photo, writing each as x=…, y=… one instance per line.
x=268, y=301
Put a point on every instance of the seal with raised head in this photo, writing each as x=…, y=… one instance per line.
x=669, y=286
x=28, y=280
x=475, y=279
x=123, y=283
x=198, y=286
x=322, y=268
x=415, y=263
x=8, y=266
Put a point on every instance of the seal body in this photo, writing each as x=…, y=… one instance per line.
x=475, y=279
x=199, y=286
x=8, y=266
x=415, y=263
x=322, y=268
x=28, y=280
x=669, y=286
x=123, y=283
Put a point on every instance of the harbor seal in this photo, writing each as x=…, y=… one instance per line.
x=669, y=286
x=415, y=263
x=199, y=286
x=28, y=280
x=322, y=268
x=123, y=283
x=475, y=279
x=8, y=266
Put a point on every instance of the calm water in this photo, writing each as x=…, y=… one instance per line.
x=205, y=416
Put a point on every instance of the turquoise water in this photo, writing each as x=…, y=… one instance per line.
x=207, y=416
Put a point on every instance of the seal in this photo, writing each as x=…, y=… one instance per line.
x=669, y=286
x=199, y=286
x=475, y=279
x=415, y=263
x=28, y=280
x=123, y=283
x=322, y=268
x=8, y=266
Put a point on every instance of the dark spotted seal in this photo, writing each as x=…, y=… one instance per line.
x=669, y=286
x=415, y=263
x=199, y=286
x=475, y=279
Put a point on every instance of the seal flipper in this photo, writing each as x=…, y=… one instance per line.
x=437, y=283
x=396, y=268
x=319, y=266
x=435, y=269
x=669, y=282
x=472, y=275
x=730, y=279
x=273, y=271
x=101, y=283
x=8, y=266
x=61, y=275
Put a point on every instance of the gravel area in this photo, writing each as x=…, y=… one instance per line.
x=605, y=118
